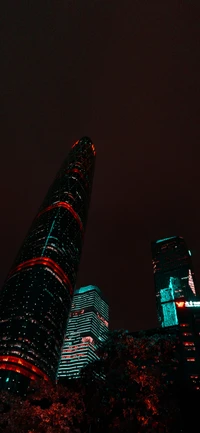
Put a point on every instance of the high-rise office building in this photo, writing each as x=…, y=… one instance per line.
x=173, y=276
x=36, y=297
x=188, y=313
x=87, y=328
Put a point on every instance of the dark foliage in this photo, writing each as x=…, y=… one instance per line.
x=127, y=390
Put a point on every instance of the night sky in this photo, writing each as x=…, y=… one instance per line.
x=125, y=73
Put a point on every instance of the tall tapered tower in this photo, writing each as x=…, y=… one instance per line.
x=36, y=297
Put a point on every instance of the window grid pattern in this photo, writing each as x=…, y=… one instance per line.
x=87, y=328
x=173, y=276
x=36, y=296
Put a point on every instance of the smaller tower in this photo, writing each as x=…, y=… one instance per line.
x=173, y=276
x=188, y=313
x=87, y=329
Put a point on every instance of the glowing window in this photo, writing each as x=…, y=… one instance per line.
x=191, y=282
x=188, y=343
x=180, y=304
x=87, y=339
x=190, y=348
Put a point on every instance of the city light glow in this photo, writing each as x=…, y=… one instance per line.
x=180, y=304
x=192, y=304
x=165, y=239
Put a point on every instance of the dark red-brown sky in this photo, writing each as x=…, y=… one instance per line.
x=127, y=74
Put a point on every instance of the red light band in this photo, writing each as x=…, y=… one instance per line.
x=19, y=365
x=66, y=206
x=46, y=261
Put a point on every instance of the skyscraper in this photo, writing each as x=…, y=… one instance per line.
x=188, y=313
x=87, y=328
x=173, y=276
x=36, y=297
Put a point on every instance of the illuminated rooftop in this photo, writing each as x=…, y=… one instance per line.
x=87, y=289
x=166, y=239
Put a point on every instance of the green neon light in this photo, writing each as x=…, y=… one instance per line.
x=169, y=314
x=189, y=252
x=165, y=239
x=170, y=317
x=49, y=235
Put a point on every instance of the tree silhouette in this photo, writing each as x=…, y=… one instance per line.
x=133, y=394
x=128, y=389
x=48, y=408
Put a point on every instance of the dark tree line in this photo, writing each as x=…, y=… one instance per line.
x=127, y=390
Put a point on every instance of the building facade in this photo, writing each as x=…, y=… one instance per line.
x=188, y=313
x=36, y=297
x=173, y=277
x=87, y=328
x=181, y=371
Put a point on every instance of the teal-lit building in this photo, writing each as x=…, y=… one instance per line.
x=173, y=277
x=87, y=329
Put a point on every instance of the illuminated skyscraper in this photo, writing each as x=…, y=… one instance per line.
x=87, y=328
x=36, y=297
x=173, y=276
x=188, y=313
